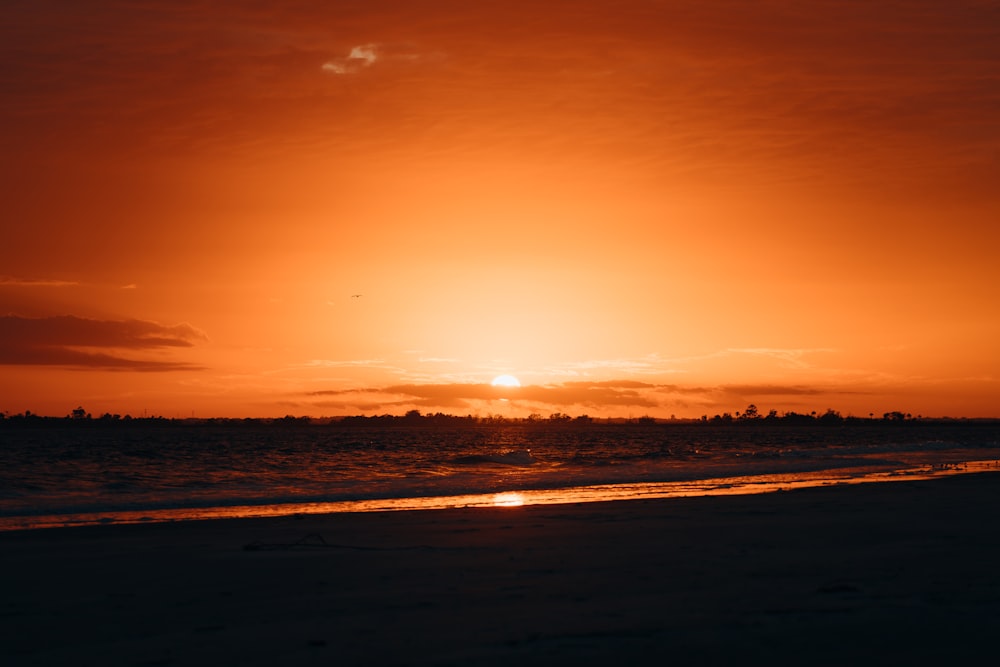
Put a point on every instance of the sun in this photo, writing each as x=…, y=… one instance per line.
x=505, y=381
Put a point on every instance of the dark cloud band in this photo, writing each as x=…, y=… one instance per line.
x=70, y=341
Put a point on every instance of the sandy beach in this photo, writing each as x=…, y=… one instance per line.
x=901, y=573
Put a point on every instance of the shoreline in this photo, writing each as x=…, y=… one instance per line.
x=867, y=573
x=852, y=472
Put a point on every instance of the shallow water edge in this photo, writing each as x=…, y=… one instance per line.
x=718, y=486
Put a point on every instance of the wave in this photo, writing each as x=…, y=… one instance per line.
x=515, y=457
x=100, y=472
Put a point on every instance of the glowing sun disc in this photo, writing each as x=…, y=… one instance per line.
x=505, y=381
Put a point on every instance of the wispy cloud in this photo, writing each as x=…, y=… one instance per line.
x=348, y=363
x=10, y=281
x=589, y=394
x=655, y=365
x=358, y=59
x=78, y=342
x=647, y=365
x=789, y=357
x=609, y=396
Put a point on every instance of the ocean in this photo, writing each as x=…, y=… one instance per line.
x=61, y=472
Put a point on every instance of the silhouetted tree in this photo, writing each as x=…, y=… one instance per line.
x=831, y=415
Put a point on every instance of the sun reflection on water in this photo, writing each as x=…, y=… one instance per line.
x=509, y=499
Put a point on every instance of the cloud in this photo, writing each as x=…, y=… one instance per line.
x=779, y=390
x=588, y=394
x=77, y=342
x=649, y=365
x=790, y=358
x=594, y=394
x=365, y=53
x=10, y=281
x=81, y=331
x=351, y=363
x=576, y=397
x=80, y=360
x=359, y=58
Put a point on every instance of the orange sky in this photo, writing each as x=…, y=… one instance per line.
x=664, y=208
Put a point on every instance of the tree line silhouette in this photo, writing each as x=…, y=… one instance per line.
x=751, y=415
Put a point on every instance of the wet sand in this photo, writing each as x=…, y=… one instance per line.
x=901, y=573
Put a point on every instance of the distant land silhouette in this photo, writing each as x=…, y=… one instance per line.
x=750, y=417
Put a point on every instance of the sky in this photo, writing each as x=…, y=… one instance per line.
x=635, y=207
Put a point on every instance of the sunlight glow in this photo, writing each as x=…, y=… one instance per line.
x=508, y=499
x=609, y=206
x=505, y=381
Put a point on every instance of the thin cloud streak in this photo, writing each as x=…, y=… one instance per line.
x=81, y=331
x=65, y=340
x=10, y=281
x=80, y=360
x=573, y=396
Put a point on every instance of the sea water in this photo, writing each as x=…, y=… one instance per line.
x=66, y=472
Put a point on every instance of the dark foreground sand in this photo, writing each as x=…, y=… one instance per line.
x=903, y=573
